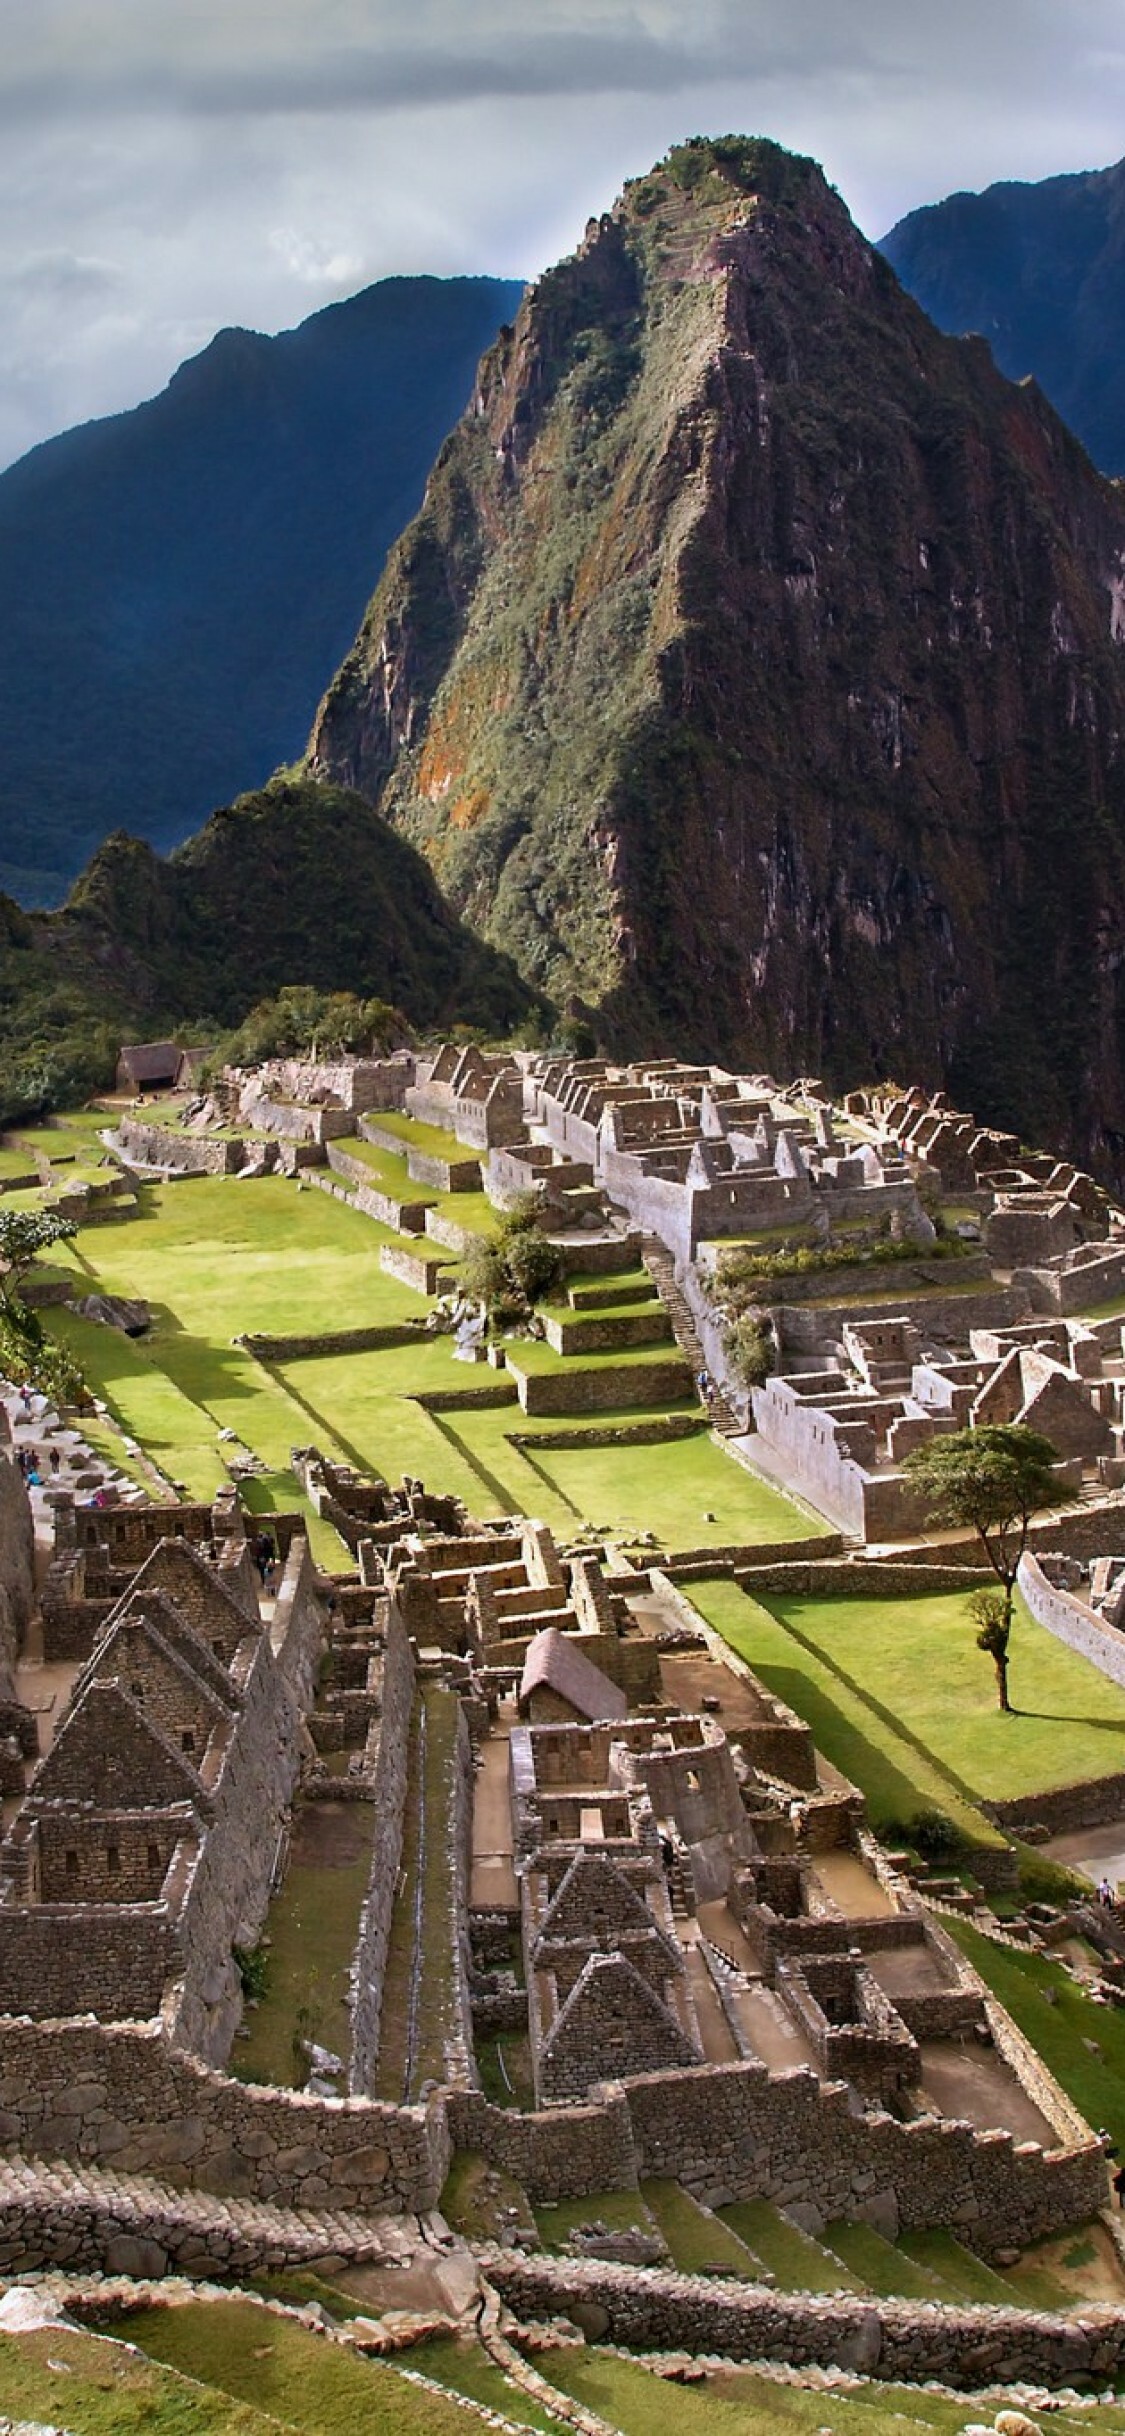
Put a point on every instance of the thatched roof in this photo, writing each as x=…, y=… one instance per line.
x=555, y=1662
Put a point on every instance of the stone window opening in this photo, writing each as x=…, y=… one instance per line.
x=72, y=1865
x=187, y=1739
x=154, y=1856
x=137, y=1691
x=113, y=1859
x=692, y=1781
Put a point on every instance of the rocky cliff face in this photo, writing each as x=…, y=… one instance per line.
x=755, y=669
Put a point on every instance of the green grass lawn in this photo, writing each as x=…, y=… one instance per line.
x=302, y=2380
x=1059, y=2020
x=896, y=1776
x=387, y=1168
x=917, y=1660
x=901, y=1700
x=67, y=2380
x=697, y=2240
x=217, y=1258
x=740, y=2402
x=619, y=2211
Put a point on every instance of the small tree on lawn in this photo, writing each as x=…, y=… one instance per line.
x=24, y=1233
x=991, y=1613
x=993, y=1481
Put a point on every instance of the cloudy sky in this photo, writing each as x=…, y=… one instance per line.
x=167, y=166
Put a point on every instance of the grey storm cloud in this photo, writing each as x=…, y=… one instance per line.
x=170, y=165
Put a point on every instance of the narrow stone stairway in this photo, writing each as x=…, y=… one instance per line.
x=662, y=1270
x=53, y=2213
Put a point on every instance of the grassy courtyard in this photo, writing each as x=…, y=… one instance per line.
x=217, y=1258
x=902, y=1701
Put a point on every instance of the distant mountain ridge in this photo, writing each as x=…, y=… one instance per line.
x=179, y=582
x=295, y=884
x=754, y=671
x=1039, y=271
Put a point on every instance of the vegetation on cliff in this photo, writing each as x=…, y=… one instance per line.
x=179, y=582
x=295, y=886
x=753, y=670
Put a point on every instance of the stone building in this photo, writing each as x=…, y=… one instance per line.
x=145, y=1846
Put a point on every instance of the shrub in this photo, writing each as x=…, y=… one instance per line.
x=512, y=1270
x=750, y=1347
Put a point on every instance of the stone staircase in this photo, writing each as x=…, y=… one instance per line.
x=57, y=2214
x=662, y=1270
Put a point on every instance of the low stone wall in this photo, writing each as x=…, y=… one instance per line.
x=738, y=2131
x=597, y=1332
x=339, y=1340
x=1070, y=1620
x=192, y=1154
x=372, y=1199
x=945, y=1316
x=626, y=1433
x=591, y=1256
x=424, y=1271
x=571, y=1389
x=445, y=1230
x=562, y=2154
x=896, y=2341
x=123, y=2097
x=812, y=1577
x=1066, y=1292
x=488, y=1396
x=1098, y=1801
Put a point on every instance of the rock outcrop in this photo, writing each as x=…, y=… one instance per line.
x=755, y=669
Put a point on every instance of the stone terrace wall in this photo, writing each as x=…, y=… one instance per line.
x=125, y=2098
x=192, y=1154
x=570, y=1389
x=737, y=2131
x=386, y=1854
x=564, y=2153
x=1073, y=1622
x=892, y=2340
x=1099, y=1801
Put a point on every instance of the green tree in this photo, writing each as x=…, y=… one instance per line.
x=991, y=1613
x=993, y=1481
x=23, y=1234
x=515, y=1267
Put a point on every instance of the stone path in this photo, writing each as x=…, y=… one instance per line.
x=55, y=2213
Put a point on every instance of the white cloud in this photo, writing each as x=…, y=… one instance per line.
x=167, y=169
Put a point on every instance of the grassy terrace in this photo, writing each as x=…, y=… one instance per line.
x=1083, y=2044
x=418, y=1990
x=217, y=1258
x=433, y=1139
x=738, y=2402
x=312, y=1928
x=900, y=1698
x=387, y=1168
x=271, y=2366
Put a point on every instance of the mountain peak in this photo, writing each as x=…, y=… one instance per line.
x=752, y=651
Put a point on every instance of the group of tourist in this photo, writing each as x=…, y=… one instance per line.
x=31, y=1465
